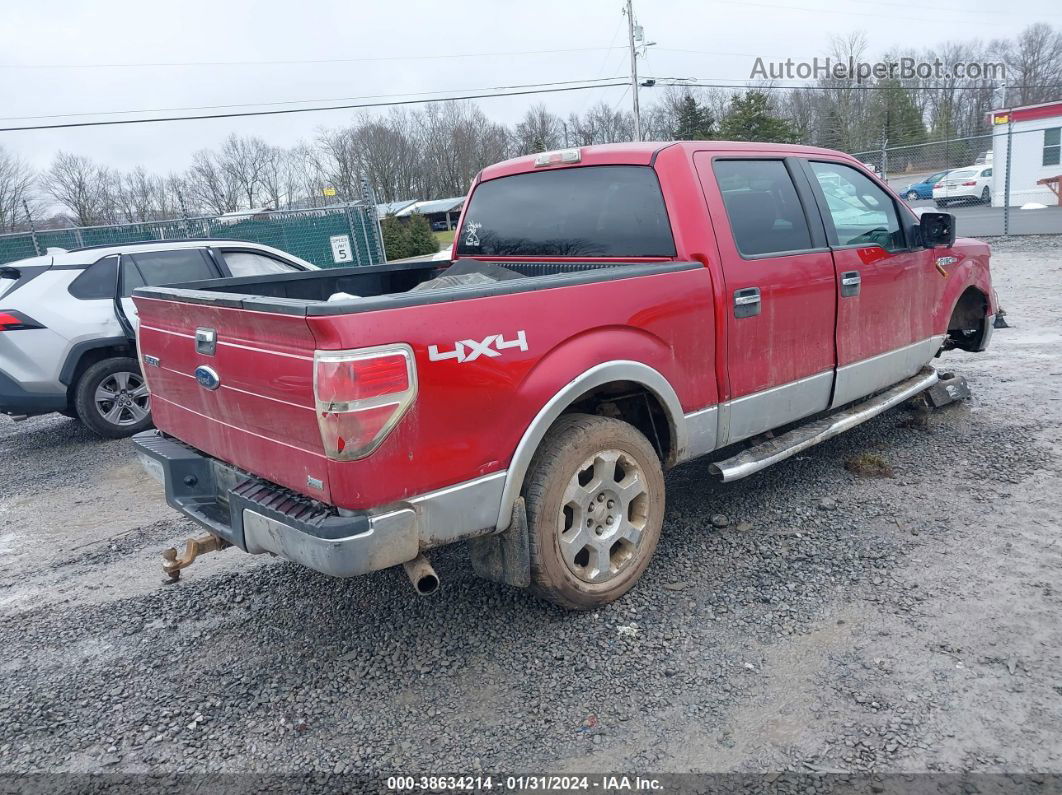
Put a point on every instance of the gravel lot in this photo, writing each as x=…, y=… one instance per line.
x=808, y=618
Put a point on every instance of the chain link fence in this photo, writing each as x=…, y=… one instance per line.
x=1001, y=183
x=336, y=236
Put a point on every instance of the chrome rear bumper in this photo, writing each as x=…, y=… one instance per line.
x=258, y=516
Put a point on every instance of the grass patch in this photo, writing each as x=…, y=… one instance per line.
x=869, y=465
x=445, y=238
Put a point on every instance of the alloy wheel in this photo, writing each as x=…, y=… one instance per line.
x=122, y=398
x=603, y=516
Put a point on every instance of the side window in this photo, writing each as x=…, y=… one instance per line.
x=172, y=267
x=131, y=277
x=761, y=202
x=986, y=173
x=1053, y=146
x=863, y=214
x=249, y=263
x=98, y=280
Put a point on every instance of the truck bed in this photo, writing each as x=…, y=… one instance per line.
x=552, y=320
x=387, y=286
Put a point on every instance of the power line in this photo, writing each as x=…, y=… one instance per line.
x=282, y=111
x=301, y=101
x=695, y=82
x=163, y=64
x=832, y=11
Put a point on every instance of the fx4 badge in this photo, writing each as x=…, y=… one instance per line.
x=469, y=350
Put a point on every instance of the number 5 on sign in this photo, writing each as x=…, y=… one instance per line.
x=341, y=251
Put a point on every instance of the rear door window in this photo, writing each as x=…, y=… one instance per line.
x=155, y=268
x=589, y=211
x=765, y=213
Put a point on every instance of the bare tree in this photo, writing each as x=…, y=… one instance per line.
x=212, y=186
x=538, y=131
x=1034, y=65
x=16, y=193
x=83, y=187
x=140, y=196
x=245, y=160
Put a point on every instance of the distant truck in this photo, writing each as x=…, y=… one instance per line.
x=612, y=311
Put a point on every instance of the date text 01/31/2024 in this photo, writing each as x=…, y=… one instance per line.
x=523, y=783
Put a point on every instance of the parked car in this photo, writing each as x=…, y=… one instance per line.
x=972, y=184
x=872, y=169
x=613, y=311
x=439, y=226
x=984, y=159
x=924, y=188
x=67, y=332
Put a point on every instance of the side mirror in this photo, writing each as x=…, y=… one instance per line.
x=937, y=229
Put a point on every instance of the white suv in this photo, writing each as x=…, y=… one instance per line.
x=970, y=184
x=67, y=324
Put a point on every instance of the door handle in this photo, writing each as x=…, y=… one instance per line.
x=850, y=283
x=747, y=302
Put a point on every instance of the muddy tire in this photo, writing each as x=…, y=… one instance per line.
x=595, y=504
x=111, y=398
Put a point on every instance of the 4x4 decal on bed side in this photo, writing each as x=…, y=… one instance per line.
x=469, y=350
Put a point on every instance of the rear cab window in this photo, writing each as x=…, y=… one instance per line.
x=586, y=211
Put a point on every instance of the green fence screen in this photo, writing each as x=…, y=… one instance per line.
x=305, y=233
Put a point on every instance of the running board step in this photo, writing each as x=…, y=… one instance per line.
x=772, y=451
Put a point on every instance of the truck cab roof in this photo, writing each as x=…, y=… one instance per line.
x=644, y=154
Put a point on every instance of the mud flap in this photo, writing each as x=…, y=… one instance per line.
x=504, y=557
x=948, y=389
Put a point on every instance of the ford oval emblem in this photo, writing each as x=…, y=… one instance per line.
x=207, y=378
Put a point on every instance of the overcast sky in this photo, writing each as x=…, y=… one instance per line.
x=59, y=57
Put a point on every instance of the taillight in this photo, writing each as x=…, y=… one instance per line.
x=361, y=395
x=968, y=184
x=11, y=320
x=938, y=185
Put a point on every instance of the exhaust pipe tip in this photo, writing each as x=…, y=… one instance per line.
x=422, y=575
x=427, y=585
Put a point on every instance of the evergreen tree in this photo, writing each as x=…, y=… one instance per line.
x=750, y=119
x=395, y=238
x=421, y=239
x=899, y=115
x=693, y=121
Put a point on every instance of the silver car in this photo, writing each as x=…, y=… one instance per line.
x=68, y=326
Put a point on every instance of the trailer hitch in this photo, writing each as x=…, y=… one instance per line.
x=193, y=548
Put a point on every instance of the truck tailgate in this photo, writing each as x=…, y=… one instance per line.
x=260, y=416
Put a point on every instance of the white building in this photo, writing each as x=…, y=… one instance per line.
x=1036, y=153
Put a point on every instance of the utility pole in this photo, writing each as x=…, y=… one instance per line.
x=634, y=71
x=885, y=147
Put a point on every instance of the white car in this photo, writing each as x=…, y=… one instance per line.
x=68, y=326
x=972, y=184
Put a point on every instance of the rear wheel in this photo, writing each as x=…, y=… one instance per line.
x=595, y=504
x=986, y=196
x=112, y=398
x=912, y=195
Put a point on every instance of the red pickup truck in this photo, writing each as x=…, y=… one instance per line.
x=612, y=311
